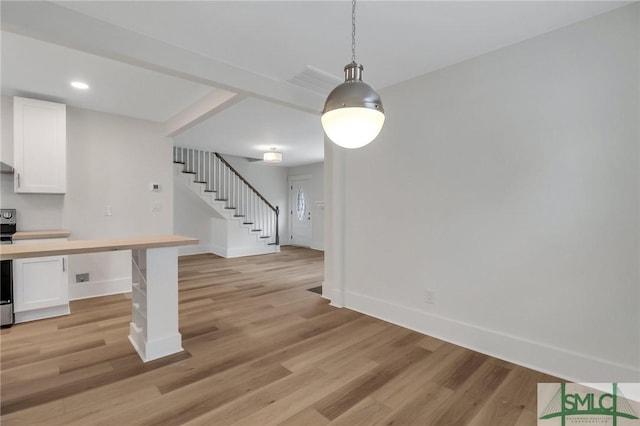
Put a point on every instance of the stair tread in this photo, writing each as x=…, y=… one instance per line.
x=219, y=197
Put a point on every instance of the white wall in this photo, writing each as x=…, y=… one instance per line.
x=111, y=161
x=508, y=185
x=191, y=218
x=315, y=195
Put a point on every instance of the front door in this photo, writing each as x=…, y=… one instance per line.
x=300, y=211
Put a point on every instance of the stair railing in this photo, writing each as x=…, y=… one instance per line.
x=229, y=186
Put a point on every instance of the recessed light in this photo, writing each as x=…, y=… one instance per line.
x=79, y=85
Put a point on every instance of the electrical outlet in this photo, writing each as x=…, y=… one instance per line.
x=156, y=207
x=82, y=278
x=429, y=297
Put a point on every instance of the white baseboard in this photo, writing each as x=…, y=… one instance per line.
x=242, y=251
x=218, y=250
x=199, y=249
x=251, y=251
x=325, y=291
x=148, y=350
x=37, y=314
x=89, y=289
x=335, y=296
x=552, y=360
x=316, y=246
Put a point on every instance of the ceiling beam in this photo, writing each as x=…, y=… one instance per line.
x=211, y=104
x=56, y=24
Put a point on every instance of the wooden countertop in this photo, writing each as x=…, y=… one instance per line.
x=19, y=251
x=36, y=235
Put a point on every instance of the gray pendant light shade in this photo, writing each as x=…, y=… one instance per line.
x=353, y=114
x=353, y=93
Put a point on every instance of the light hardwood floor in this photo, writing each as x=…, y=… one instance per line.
x=259, y=350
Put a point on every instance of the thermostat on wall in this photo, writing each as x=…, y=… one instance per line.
x=154, y=187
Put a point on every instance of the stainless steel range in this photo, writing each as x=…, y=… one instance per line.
x=7, y=229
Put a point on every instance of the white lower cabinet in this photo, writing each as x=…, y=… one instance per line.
x=40, y=287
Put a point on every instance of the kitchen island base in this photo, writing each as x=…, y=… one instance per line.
x=154, y=325
x=153, y=331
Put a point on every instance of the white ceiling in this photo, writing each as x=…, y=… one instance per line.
x=397, y=40
x=296, y=139
x=33, y=68
x=152, y=59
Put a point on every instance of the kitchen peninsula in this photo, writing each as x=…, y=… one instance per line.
x=154, y=327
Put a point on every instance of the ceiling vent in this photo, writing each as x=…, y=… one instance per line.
x=316, y=80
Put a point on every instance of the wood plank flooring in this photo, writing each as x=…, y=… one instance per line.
x=259, y=350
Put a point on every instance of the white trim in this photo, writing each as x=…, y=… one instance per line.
x=37, y=314
x=90, y=289
x=188, y=250
x=336, y=296
x=325, y=294
x=251, y=251
x=552, y=360
x=148, y=350
x=218, y=250
x=243, y=251
x=334, y=230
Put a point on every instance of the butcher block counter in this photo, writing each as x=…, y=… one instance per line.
x=153, y=330
x=40, y=235
x=20, y=251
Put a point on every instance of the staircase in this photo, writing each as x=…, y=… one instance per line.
x=251, y=221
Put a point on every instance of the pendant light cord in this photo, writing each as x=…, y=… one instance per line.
x=353, y=31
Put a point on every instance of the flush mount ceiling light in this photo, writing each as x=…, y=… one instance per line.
x=79, y=85
x=353, y=114
x=272, y=156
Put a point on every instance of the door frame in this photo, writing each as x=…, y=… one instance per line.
x=290, y=180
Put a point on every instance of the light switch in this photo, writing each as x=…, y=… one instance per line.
x=156, y=207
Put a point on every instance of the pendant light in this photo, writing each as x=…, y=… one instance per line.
x=353, y=114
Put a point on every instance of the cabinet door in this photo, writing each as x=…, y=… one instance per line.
x=40, y=146
x=40, y=282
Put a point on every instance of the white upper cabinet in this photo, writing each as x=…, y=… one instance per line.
x=40, y=146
